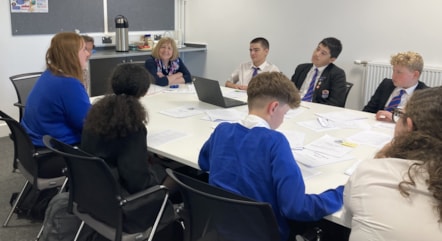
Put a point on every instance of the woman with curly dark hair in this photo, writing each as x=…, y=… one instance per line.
x=398, y=195
x=115, y=129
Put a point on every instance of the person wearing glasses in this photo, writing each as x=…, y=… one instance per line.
x=398, y=195
x=321, y=81
x=165, y=64
x=394, y=93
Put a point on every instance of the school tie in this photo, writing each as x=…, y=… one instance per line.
x=308, y=96
x=255, y=71
x=395, y=101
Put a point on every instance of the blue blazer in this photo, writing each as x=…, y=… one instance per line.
x=330, y=88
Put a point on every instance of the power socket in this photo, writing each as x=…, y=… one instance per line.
x=106, y=40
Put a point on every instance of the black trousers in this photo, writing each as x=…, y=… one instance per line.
x=330, y=231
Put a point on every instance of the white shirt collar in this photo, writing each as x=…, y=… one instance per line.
x=320, y=69
x=254, y=121
x=411, y=89
x=262, y=66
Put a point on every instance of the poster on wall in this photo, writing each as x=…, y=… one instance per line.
x=29, y=6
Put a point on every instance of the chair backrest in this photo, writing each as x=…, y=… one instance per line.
x=348, y=85
x=216, y=214
x=14, y=161
x=23, y=84
x=24, y=148
x=92, y=186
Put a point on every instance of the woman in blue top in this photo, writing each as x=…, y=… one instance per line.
x=58, y=103
x=166, y=66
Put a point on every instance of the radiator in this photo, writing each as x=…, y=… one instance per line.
x=375, y=72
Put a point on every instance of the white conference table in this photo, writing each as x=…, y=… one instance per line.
x=195, y=130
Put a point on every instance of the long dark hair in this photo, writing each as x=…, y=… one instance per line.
x=121, y=113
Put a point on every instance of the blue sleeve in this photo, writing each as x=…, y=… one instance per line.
x=203, y=158
x=151, y=66
x=186, y=74
x=293, y=201
x=76, y=104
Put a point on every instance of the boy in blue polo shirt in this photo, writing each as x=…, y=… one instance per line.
x=252, y=159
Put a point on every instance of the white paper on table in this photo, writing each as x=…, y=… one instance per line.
x=295, y=138
x=182, y=111
x=293, y=113
x=236, y=94
x=342, y=116
x=225, y=115
x=308, y=172
x=386, y=125
x=371, y=138
x=315, y=159
x=182, y=89
x=163, y=137
x=354, y=124
x=330, y=146
x=154, y=89
x=315, y=126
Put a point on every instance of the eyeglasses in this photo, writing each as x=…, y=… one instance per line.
x=397, y=114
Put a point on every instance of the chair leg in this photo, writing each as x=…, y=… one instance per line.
x=63, y=186
x=40, y=232
x=79, y=231
x=15, y=205
x=43, y=226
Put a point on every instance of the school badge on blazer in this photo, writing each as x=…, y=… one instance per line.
x=325, y=94
x=320, y=80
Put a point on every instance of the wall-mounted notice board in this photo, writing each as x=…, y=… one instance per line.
x=84, y=15
x=143, y=15
x=88, y=16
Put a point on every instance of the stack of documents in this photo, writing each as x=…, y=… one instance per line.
x=323, y=151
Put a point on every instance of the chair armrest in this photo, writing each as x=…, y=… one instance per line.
x=143, y=193
x=43, y=152
x=19, y=105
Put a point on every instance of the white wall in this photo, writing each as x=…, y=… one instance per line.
x=19, y=55
x=370, y=30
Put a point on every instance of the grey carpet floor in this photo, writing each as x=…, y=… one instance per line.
x=18, y=229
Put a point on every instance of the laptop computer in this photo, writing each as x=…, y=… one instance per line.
x=209, y=91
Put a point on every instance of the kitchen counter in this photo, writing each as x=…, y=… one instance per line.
x=104, y=60
x=109, y=52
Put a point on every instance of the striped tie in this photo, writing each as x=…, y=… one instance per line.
x=255, y=71
x=308, y=96
x=395, y=101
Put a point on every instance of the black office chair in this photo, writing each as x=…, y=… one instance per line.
x=96, y=199
x=28, y=163
x=23, y=84
x=348, y=85
x=211, y=213
x=11, y=136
